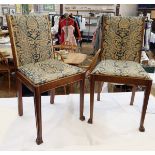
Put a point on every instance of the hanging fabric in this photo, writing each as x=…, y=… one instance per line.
x=69, y=34
x=55, y=23
x=68, y=30
x=98, y=35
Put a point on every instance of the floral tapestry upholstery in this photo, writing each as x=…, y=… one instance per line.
x=122, y=38
x=32, y=38
x=45, y=71
x=121, y=68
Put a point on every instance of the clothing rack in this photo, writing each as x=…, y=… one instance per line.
x=79, y=43
x=79, y=16
x=53, y=15
x=108, y=13
x=1, y=21
x=55, y=38
x=73, y=20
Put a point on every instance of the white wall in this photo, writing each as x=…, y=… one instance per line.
x=125, y=9
x=128, y=10
x=11, y=6
x=57, y=9
x=74, y=7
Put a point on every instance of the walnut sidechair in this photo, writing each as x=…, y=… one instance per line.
x=35, y=65
x=122, y=39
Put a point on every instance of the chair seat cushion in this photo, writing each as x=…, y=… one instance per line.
x=121, y=68
x=45, y=71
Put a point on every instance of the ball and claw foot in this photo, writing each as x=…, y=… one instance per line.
x=82, y=118
x=90, y=121
x=141, y=129
x=39, y=141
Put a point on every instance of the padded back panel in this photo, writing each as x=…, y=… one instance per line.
x=31, y=38
x=122, y=38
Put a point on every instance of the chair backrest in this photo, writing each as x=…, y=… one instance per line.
x=122, y=38
x=30, y=38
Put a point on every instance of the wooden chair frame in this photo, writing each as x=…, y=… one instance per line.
x=147, y=83
x=135, y=81
x=37, y=89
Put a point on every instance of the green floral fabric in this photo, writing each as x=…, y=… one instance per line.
x=45, y=71
x=121, y=68
x=32, y=38
x=122, y=38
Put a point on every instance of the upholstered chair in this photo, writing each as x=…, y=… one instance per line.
x=35, y=65
x=120, y=59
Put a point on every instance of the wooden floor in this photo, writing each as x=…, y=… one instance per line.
x=86, y=48
x=4, y=86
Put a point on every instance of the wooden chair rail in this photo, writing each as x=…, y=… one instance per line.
x=119, y=79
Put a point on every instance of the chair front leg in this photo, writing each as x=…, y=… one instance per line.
x=82, y=84
x=144, y=108
x=92, y=86
x=19, y=94
x=52, y=96
x=37, y=105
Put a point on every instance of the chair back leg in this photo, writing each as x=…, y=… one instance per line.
x=9, y=81
x=133, y=94
x=99, y=89
x=82, y=87
x=52, y=96
x=145, y=103
x=19, y=94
